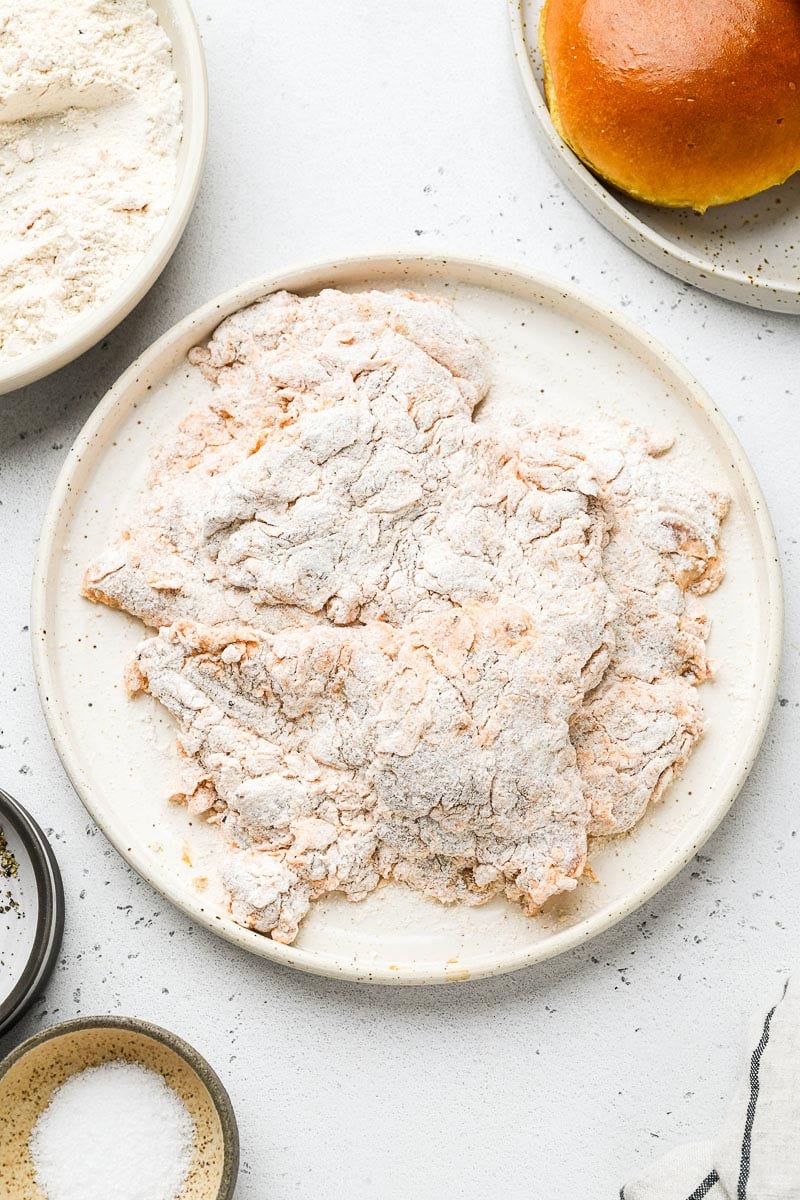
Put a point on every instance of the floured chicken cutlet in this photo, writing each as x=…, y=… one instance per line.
x=402, y=646
x=637, y=729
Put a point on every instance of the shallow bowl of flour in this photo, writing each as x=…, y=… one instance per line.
x=84, y=329
x=559, y=355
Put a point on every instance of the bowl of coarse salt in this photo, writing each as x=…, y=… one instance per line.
x=103, y=122
x=114, y=1106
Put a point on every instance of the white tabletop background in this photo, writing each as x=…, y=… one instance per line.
x=365, y=125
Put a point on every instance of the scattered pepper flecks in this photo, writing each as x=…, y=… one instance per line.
x=9, y=867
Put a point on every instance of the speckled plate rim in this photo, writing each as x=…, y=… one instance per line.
x=91, y=328
x=142, y=374
x=193, y=1058
x=49, y=913
x=696, y=269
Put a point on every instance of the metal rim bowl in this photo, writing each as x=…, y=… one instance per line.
x=49, y=914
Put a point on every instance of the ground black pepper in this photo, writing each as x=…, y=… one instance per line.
x=9, y=869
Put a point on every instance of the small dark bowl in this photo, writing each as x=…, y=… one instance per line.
x=30, y=1074
x=49, y=911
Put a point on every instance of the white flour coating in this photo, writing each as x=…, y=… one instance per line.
x=90, y=125
x=400, y=645
x=638, y=728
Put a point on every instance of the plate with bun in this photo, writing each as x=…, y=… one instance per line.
x=677, y=126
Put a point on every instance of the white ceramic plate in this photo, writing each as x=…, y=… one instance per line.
x=748, y=252
x=190, y=67
x=554, y=350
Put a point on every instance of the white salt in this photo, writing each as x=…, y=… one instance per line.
x=113, y=1132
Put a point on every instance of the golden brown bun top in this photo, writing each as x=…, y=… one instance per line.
x=680, y=102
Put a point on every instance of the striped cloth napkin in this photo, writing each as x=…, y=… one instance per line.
x=756, y=1155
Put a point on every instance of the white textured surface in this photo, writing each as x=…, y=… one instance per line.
x=346, y=128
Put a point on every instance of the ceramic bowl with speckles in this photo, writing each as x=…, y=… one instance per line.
x=32, y=1072
x=748, y=252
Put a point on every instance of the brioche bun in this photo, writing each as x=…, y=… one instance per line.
x=685, y=103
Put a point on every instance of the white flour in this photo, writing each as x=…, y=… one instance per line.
x=90, y=125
